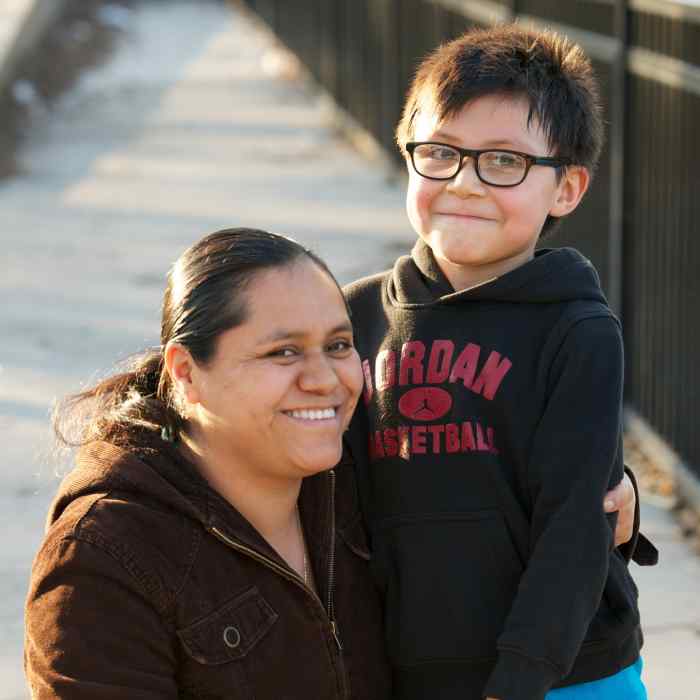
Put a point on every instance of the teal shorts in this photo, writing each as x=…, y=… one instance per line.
x=625, y=685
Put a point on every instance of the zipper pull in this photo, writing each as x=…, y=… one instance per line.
x=336, y=636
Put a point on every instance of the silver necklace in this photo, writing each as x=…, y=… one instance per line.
x=303, y=549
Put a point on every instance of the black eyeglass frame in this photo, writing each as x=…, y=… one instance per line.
x=530, y=160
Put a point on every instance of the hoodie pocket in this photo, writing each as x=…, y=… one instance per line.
x=355, y=538
x=449, y=579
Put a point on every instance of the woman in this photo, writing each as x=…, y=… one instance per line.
x=197, y=549
x=203, y=547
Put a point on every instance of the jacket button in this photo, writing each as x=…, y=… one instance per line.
x=232, y=637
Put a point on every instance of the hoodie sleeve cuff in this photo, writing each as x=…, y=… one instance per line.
x=628, y=548
x=639, y=549
x=517, y=677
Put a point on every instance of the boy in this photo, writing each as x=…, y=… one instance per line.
x=493, y=391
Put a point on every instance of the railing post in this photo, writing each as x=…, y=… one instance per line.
x=618, y=118
x=391, y=89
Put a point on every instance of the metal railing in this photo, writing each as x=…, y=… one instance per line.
x=639, y=221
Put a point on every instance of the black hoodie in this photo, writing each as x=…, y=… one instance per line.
x=491, y=430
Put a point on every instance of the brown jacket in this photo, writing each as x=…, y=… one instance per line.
x=150, y=585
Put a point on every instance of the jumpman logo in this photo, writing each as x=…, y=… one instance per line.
x=423, y=408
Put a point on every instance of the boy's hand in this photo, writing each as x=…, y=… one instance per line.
x=622, y=499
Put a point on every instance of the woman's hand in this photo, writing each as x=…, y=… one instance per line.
x=623, y=500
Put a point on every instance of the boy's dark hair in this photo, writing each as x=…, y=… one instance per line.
x=552, y=73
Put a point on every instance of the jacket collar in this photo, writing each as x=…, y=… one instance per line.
x=159, y=471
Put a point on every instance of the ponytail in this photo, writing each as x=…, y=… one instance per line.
x=135, y=401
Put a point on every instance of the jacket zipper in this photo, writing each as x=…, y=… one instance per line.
x=331, y=568
x=295, y=578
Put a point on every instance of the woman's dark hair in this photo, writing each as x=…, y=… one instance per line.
x=204, y=297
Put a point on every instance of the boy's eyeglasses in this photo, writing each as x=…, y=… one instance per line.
x=499, y=168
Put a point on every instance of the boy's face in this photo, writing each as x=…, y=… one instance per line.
x=477, y=231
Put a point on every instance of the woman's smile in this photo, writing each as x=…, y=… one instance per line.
x=313, y=415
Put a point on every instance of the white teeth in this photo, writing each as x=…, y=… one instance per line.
x=312, y=414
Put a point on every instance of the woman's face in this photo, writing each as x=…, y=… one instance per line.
x=281, y=388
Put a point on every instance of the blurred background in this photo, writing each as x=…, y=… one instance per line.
x=129, y=128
